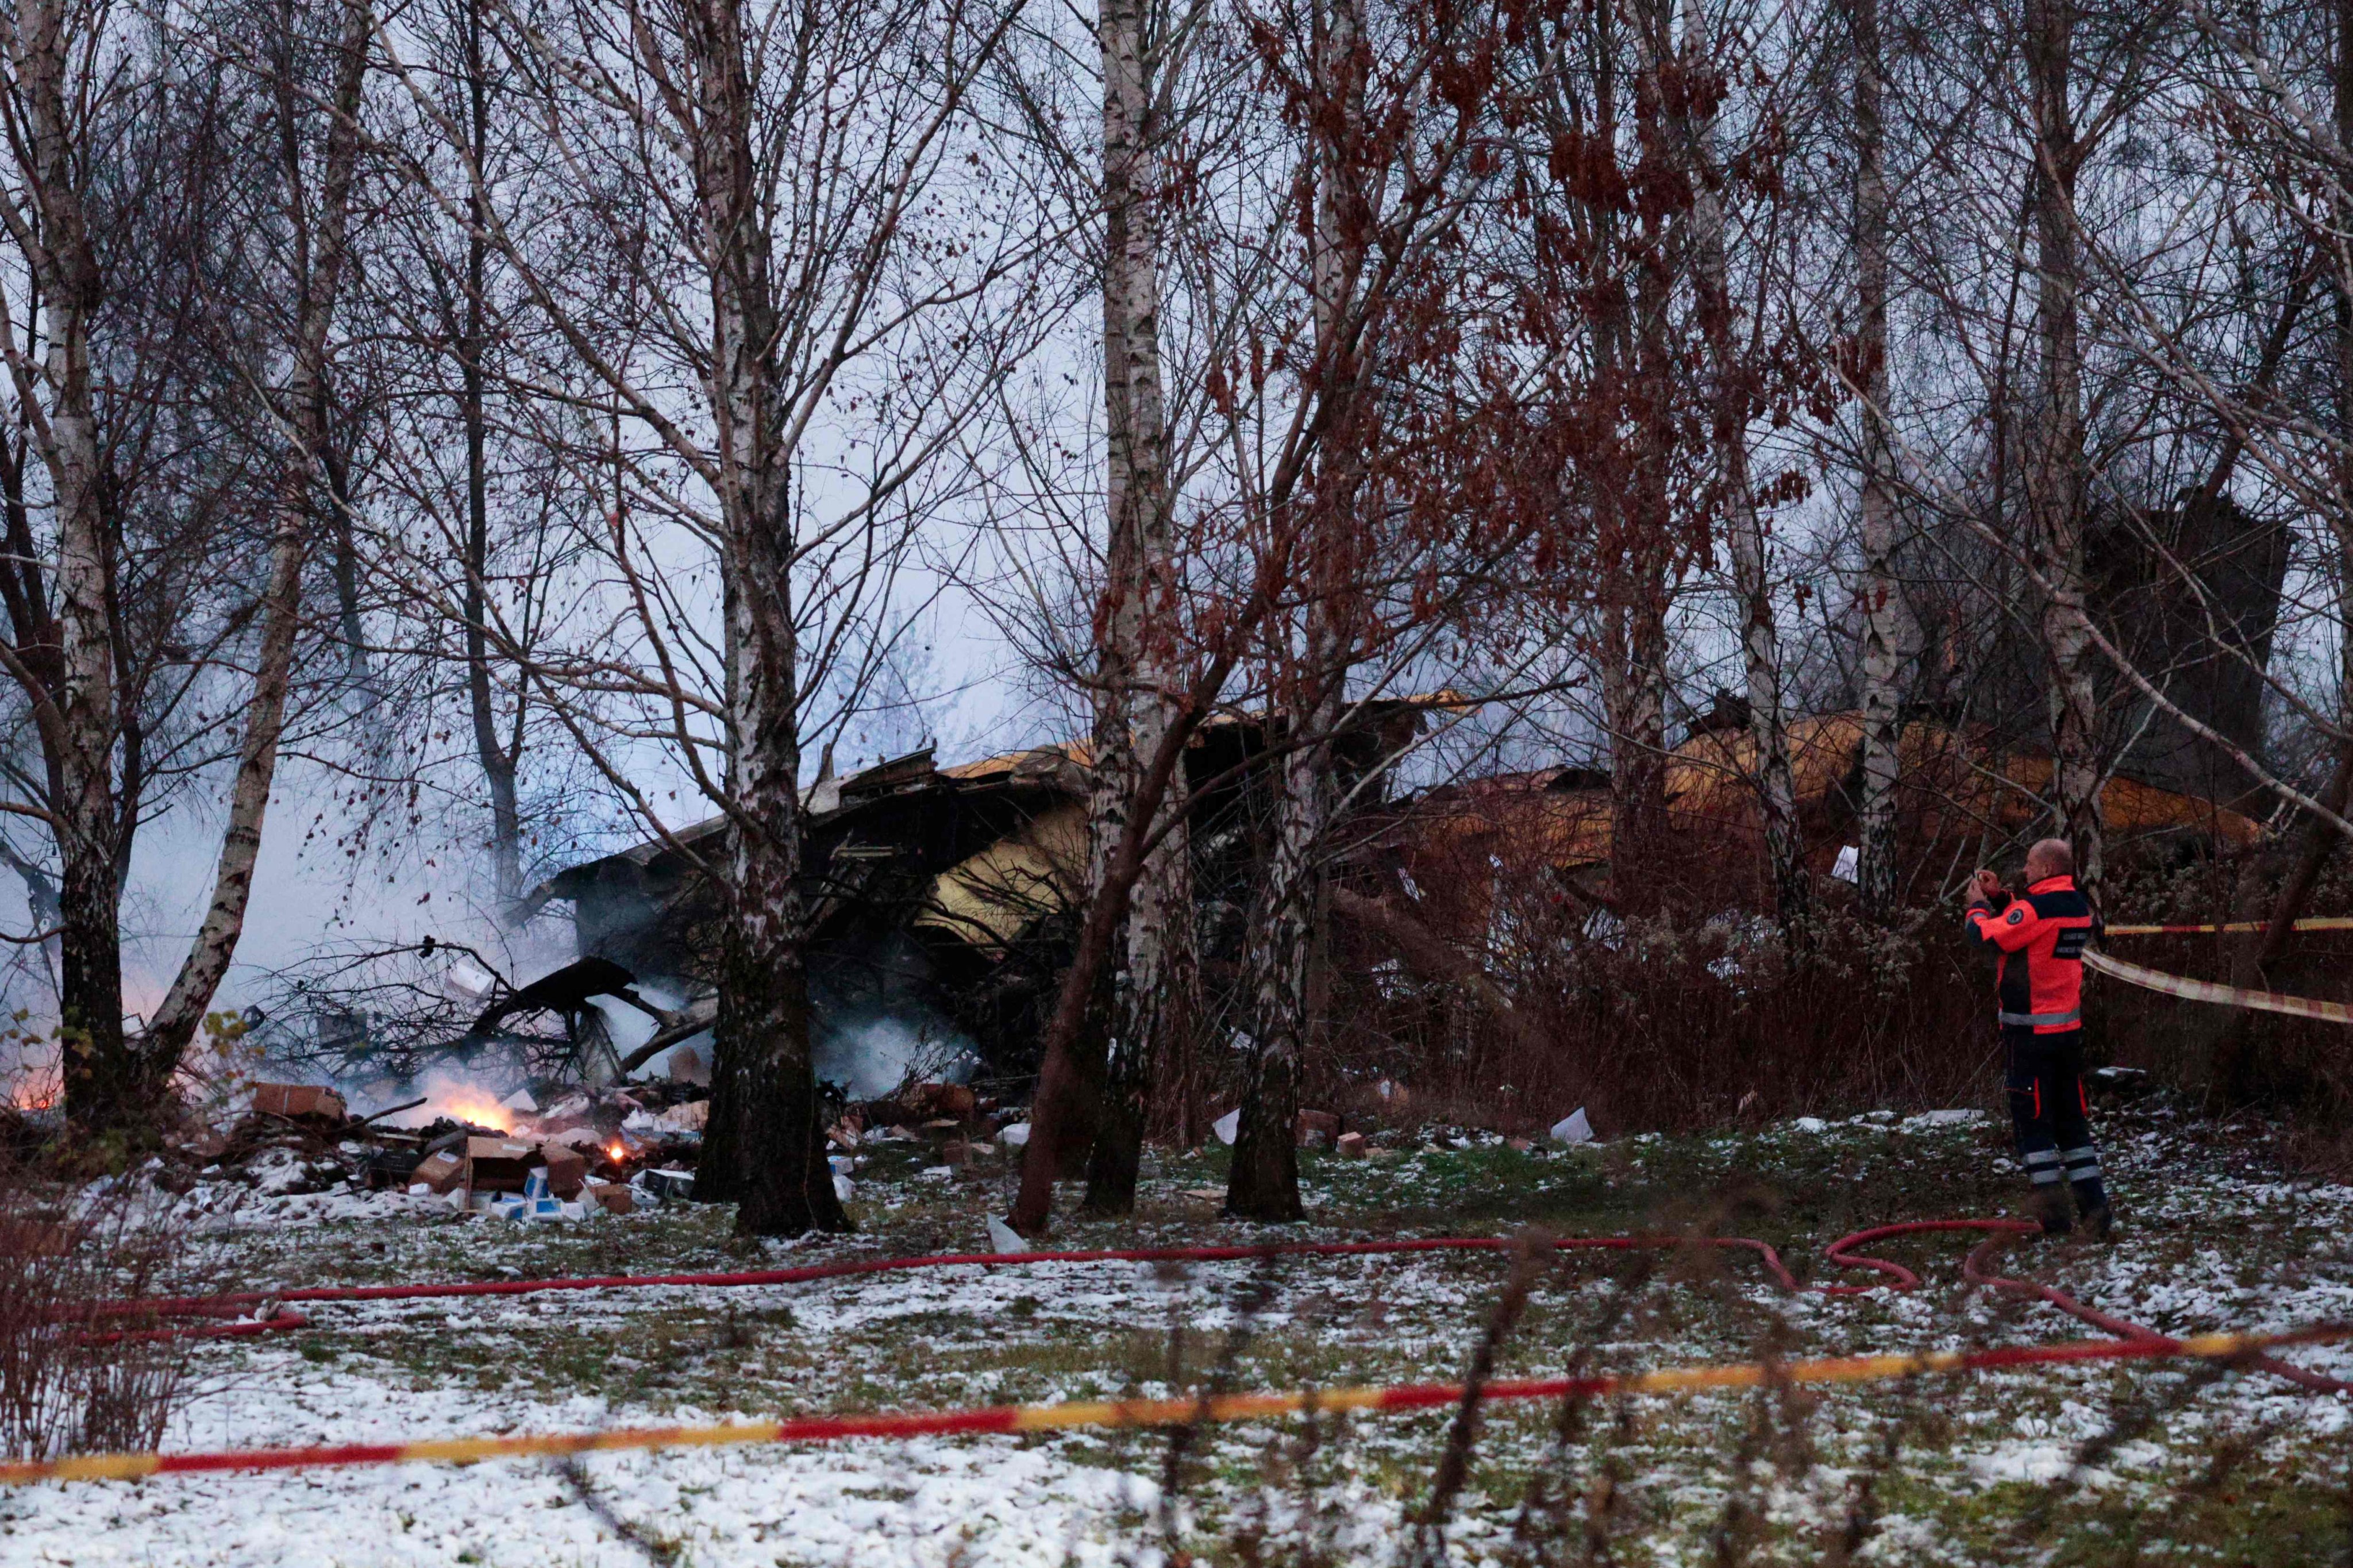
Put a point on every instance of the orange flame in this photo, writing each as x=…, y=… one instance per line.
x=616, y=1152
x=477, y=1106
x=33, y=1096
x=452, y=1097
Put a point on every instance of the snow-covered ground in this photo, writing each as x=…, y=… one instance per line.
x=2126, y=1463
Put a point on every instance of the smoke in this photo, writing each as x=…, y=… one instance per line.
x=874, y=1054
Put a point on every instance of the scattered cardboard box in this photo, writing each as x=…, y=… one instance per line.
x=953, y=1100
x=687, y=1066
x=610, y=1196
x=1316, y=1130
x=497, y=1165
x=668, y=1186
x=568, y=1169
x=298, y=1101
x=1351, y=1145
x=440, y=1172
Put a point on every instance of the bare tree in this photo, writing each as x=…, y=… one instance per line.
x=1153, y=1010
x=2056, y=487
x=1701, y=67
x=789, y=167
x=1884, y=639
x=63, y=102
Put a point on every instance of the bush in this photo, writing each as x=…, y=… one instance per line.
x=72, y=1378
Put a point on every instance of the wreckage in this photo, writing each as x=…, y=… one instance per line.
x=940, y=904
x=940, y=899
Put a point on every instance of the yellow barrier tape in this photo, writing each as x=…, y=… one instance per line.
x=1160, y=1412
x=2319, y=923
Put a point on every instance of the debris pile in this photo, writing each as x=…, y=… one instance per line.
x=589, y=1153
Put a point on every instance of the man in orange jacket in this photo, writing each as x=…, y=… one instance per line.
x=2040, y=936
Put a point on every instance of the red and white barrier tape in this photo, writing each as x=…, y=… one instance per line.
x=2215, y=992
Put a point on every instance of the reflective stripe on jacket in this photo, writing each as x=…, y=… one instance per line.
x=2041, y=938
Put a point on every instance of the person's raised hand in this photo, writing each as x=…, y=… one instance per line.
x=1988, y=887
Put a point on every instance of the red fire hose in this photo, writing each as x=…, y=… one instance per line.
x=257, y=1313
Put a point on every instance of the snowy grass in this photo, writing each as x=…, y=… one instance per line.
x=2104, y=1464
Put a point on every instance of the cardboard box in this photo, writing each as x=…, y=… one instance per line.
x=497, y=1165
x=568, y=1169
x=1351, y=1145
x=954, y=1101
x=298, y=1101
x=1316, y=1130
x=442, y=1172
x=610, y=1196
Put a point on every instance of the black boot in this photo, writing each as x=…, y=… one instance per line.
x=2051, y=1208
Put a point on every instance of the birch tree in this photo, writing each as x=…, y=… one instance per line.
x=1884, y=609
x=71, y=79
x=2056, y=487
x=1702, y=66
x=791, y=248
x=1138, y=673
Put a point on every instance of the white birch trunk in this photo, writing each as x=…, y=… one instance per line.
x=321, y=252
x=78, y=719
x=1744, y=526
x=1287, y=956
x=765, y=1148
x=1154, y=980
x=1885, y=629
x=2055, y=479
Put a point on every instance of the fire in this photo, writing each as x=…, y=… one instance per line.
x=32, y=1096
x=457, y=1099
x=616, y=1152
x=474, y=1105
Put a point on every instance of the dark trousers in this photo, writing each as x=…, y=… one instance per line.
x=2045, y=1075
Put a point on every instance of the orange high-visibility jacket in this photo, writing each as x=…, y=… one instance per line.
x=2041, y=938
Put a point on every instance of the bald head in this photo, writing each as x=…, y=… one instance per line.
x=2049, y=858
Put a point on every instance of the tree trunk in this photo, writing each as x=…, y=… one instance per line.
x=320, y=282
x=1151, y=985
x=1634, y=707
x=1885, y=620
x=101, y=1082
x=1729, y=404
x=773, y=1144
x=1263, y=1181
x=2055, y=479
x=498, y=764
x=1059, y=1079
x=1288, y=987
x=2235, y=1075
